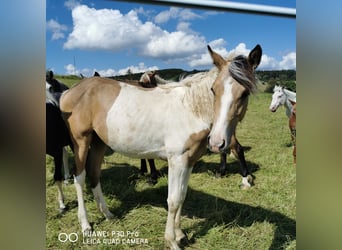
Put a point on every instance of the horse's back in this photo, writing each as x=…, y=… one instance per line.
x=89, y=89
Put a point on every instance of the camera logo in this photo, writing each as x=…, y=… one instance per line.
x=64, y=237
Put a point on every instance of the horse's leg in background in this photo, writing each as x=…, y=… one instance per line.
x=58, y=177
x=66, y=165
x=238, y=152
x=93, y=168
x=154, y=172
x=178, y=179
x=143, y=166
x=293, y=138
x=223, y=165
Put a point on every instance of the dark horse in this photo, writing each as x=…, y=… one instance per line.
x=57, y=134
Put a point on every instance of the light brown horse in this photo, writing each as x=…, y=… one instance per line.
x=102, y=112
x=292, y=126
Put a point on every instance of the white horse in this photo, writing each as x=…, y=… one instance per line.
x=282, y=96
x=175, y=123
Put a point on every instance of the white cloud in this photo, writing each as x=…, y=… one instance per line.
x=70, y=4
x=70, y=69
x=136, y=69
x=175, y=13
x=56, y=29
x=108, y=29
x=269, y=63
x=175, y=44
x=289, y=61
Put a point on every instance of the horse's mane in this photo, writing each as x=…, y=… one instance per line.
x=198, y=97
x=292, y=96
x=241, y=71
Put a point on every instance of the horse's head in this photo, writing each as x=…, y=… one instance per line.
x=278, y=98
x=148, y=79
x=234, y=82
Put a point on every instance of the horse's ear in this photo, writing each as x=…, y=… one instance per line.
x=254, y=56
x=217, y=59
x=49, y=75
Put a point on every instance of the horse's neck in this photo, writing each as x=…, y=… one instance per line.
x=290, y=96
x=198, y=97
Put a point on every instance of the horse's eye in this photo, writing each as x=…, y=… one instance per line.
x=212, y=90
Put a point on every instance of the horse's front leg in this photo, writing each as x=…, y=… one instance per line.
x=223, y=165
x=238, y=152
x=179, y=174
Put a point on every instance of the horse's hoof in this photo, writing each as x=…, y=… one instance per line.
x=152, y=181
x=109, y=216
x=244, y=186
x=62, y=210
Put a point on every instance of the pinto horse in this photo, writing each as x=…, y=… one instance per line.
x=57, y=134
x=292, y=126
x=200, y=110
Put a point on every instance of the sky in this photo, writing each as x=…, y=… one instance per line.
x=113, y=37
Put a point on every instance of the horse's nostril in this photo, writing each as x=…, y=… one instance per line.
x=222, y=146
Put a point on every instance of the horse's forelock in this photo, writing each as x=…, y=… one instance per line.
x=243, y=73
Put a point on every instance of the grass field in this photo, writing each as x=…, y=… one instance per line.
x=216, y=213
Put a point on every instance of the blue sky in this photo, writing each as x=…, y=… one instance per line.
x=111, y=37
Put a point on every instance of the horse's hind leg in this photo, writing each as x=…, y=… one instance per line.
x=93, y=167
x=154, y=172
x=143, y=166
x=238, y=152
x=81, y=146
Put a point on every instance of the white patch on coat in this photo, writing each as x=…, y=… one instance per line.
x=150, y=123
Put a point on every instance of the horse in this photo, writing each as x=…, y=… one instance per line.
x=292, y=126
x=200, y=111
x=282, y=96
x=57, y=135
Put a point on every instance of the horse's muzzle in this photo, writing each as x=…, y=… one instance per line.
x=216, y=147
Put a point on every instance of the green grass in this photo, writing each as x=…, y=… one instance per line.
x=216, y=213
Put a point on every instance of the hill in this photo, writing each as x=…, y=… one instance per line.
x=268, y=78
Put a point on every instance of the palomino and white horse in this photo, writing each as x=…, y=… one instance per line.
x=176, y=123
